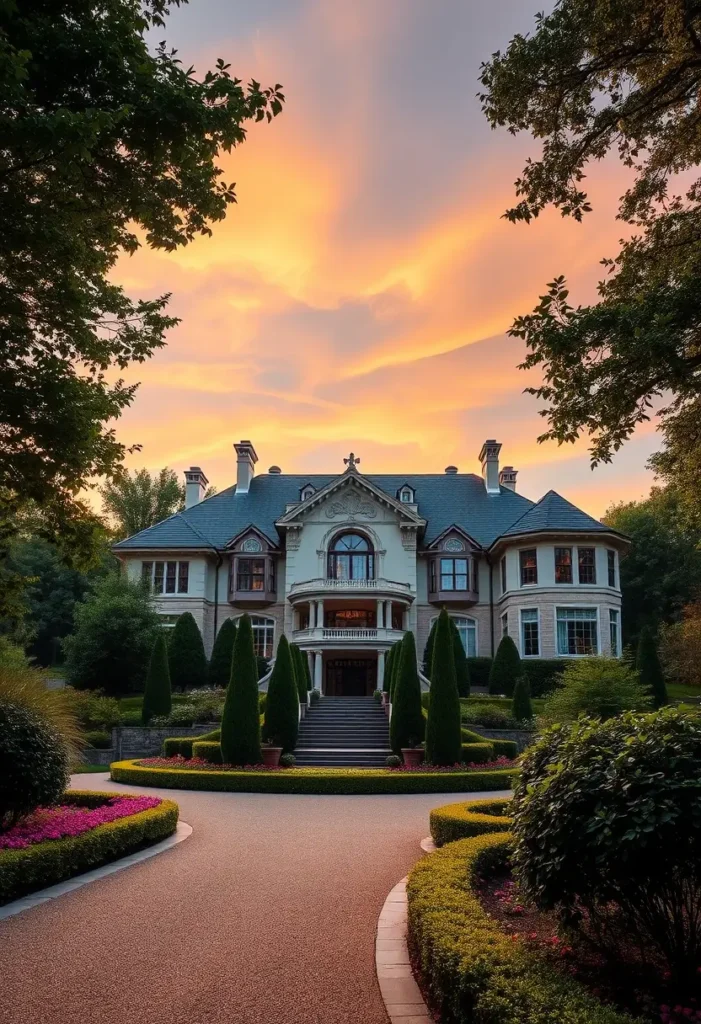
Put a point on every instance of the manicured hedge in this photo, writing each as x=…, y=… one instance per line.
x=313, y=780
x=543, y=673
x=208, y=750
x=182, y=745
x=474, y=818
x=44, y=864
x=479, y=672
x=470, y=969
x=477, y=753
x=504, y=748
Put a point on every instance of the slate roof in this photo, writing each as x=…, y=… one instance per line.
x=443, y=499
x=553, y=512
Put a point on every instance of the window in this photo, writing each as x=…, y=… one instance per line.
x=505, y=624
x=351, y=558
x=611, y=559
x=467, y=629
x=250, y=574
x=528, y=561
x=351, y=618
x=475, y=576
x=530, y=633
x=263, y=635
x=577, y=632
x=563, y=565
x=306, y=492
x=614, y=620
x=454, y=574
x=166, y=577
x=587, y=565
x=406, y=495
x=503, y=575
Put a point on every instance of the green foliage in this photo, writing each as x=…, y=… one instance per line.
x=602, y=687
x=92, y=710
x=647, y=663
x=157, y=699
x=181, y=746
x=477, y=753
x=521, y=707
x=23, y=686
x=33, y=763
x=98, y=739
x=222, y=653
x=114, y=634
x=210, y=751
x=133, y=503
x=407, y=724
x=479, y=669
x=593, y=79
x=462, y=671
x=282, y=706
x=443, y=737
x=506, y=668
x=428, y=649
x=298, y=660
x=474, y=818
x=386, y=682
x=471, y=970
x=679, y=462
x=396, y=651
x=43, y=864
x=240, y=726
x=393, y=761
x=287, y=760
x=607, y=821
x=186, y=658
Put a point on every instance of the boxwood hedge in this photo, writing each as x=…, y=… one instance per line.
x=44, y=864
x=312, y=780
x=473, y=818
x=469, y=968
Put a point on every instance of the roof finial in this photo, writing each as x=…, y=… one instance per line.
x=351, y=462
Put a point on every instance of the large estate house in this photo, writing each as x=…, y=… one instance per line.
x=343, y=564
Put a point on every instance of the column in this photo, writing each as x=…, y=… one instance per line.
x=309, y=655
x=312, y=614
x=380, y=614
x=388, y=614
x=380, y=669
x=317, y=671
x=320, y=613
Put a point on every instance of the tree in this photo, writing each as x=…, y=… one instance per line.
x=428, y=649
x=133, y=503
x=647, y=662
x=679, y=462
x=600, y=687
x=240, y=724
x=395, y=668
x=281, y=723
x=680, y=647
x=521, y=707
x=443, y=730
x=222, y=653
x=407, y=724
x=462, y=670
x=298, y=660
x=596, y=77
x=106, y=145
x=506, y=668
x=186, y=658
x=115, y=628
x=157, y=697
x=662, y=571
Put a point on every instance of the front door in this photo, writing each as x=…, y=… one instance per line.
x=351, y=677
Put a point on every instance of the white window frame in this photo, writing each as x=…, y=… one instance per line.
x=467, y=618
x=618, y=651
x=521, y=584
x=504, y=621
x=521, y=640
x=503, y=577
x=269, y=619
x=307, y=492
x=616, y=577
x=162, y=593
x=579, y=604
x=580, y=582
x=406, y=496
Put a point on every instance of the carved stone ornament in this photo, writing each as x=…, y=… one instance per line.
x=408, y=539
x=251, y=544
x=293, y=539
x=454, y=544
x=352, y=507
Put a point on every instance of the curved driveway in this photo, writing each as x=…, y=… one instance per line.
x=265, y=915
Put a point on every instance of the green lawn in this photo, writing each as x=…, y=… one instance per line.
x=677, y=691
x=134, y=703
x=504, y=703
x=86, y=769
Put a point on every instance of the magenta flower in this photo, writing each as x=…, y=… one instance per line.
x=48, y=823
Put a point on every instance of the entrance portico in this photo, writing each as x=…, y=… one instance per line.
x=347, y=672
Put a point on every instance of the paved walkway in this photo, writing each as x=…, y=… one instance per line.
x=267, y=913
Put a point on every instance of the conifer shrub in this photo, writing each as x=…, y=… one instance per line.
x=649, y=668
x=407, y=724
x=186, y=658
x=282, y=706
x=395, y=668
x=157, y=696
x=222, y=653
x=240, y=726
x=428, y=649
x=521, y=707
x=601, y=687
x=443, y=730
x=33, y=763
x=388, y=669
x=462, y=671
x=506, y=668
x=298, y=660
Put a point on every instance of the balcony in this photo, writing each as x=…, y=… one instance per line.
x=362, y=588
x=442, y=597
x=335, y=636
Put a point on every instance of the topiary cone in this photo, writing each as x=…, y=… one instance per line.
x=521, y=707
x=186, y=658
x=282, y=705
x=443, y=730
x=462, y=671
x=222, y=654
x=407, y=724
x=240, y=724
x=157, y=699
x=300, y=675
x=506, y=668
x=649, y=668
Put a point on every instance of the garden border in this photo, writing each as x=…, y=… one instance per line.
x=316, y=781
x=467, y=818
x=400, y=993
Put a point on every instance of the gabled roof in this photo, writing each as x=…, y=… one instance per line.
x=453, y=528
x=350, y=478
x=553, y=512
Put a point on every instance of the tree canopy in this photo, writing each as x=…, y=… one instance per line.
x=596, y=78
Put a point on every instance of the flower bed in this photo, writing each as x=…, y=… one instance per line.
x=468, y=967
x=474, y=818
x=88, y=830
x=176, y=773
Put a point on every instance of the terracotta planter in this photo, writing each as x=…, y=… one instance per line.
x=413, y=756
x=271, y=756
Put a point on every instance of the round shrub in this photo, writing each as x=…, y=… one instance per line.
x=521, y=707
x=601, y=687
x=393, y=761
x=489, y=717
x=506, y=668
x=607, y=826
x=186, y=658
x=288, y=761
x=33, y=764
x=315, y=696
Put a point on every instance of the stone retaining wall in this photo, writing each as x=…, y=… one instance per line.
x=522, y=737
x=143, y=741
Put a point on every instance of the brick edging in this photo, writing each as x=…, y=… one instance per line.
x=400, y=993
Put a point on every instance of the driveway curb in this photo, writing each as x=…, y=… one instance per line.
x=401, y=995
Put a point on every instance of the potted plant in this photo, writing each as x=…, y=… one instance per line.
x=271, y=753
x=413, y=754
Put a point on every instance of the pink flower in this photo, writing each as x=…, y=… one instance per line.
x=50, y=823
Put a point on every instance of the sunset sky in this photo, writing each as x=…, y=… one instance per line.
x=358, y=295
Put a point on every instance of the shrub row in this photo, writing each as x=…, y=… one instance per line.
x=182, y=745
x=463, y=820
x=502, y=748
x=313, y=780
x=208, y=750
x=477, y=753
x=543, y=674
x=470, y=969
x=44, y=864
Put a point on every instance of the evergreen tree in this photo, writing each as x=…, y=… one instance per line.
x=395, y=669
x=222, y=653
x=307, y=671
x=240, y=724
x=648, y=665
x=282, y=706
x=462, y=670
x=186, y=658
x=521, y=707
x=506, y=668
x=389, y=658
x=407, y=725
x=428, y=650
x=157, y=700
x=443, y=729
x=300, y=675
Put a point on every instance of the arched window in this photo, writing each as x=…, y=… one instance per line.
x=467, y=628
x=351, y=558
x=263, y=635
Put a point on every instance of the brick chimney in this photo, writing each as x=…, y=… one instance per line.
x=507, y=477
x=195, y=486
x=489, y=457
x=246, y=459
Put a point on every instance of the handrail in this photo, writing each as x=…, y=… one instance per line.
x=331, y=583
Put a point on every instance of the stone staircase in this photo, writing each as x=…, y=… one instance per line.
x=344, y=732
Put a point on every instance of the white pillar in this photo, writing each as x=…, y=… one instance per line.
x=317, y=671
x=320, y=613
x=380, y=669
x=388, y=614
x=312, y=614
x=380, y=614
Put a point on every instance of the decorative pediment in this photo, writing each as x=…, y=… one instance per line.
x=454, y=540
x=352, y=498
x=252, y=541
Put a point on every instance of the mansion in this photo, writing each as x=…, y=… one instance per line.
x=343, y=564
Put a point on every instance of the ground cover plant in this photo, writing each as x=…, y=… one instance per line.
x=62, y=820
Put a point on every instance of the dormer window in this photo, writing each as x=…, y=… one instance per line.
x=306, y=492
x=406, y=495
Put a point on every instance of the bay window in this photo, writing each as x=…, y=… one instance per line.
x=586, y=558
x=528, y=563
x=530, y=633
x=563, y=565
x=577, y=632
x=614, y=631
